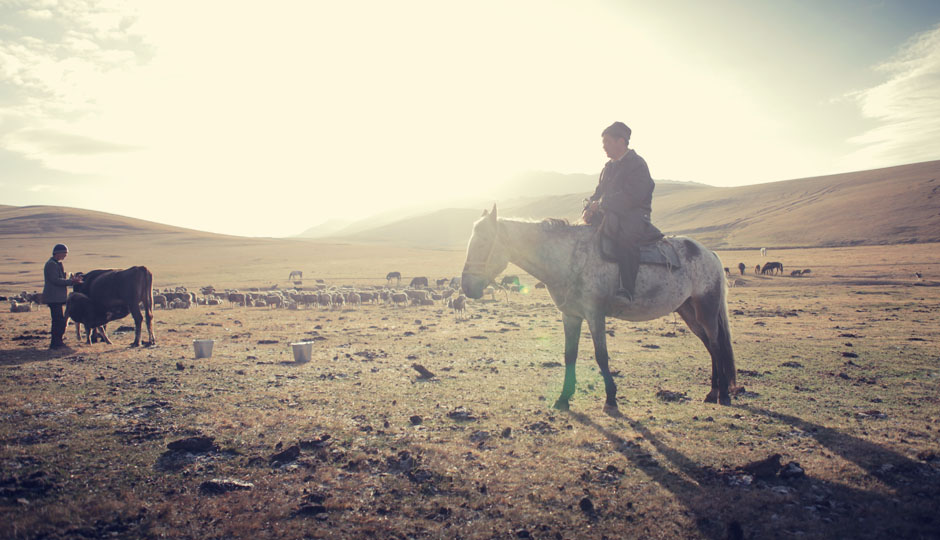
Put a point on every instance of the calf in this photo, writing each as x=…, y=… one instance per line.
x=81, y=309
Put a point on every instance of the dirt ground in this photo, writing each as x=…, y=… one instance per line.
x=836, y=433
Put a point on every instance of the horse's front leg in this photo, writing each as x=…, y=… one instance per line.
x=598, y=326
x=572, y=337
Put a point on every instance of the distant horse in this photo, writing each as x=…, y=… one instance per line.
x=420, y=281
x=757, y=269
x=393, y=275
x=509, y=281
x=763, y=252
x=567, y=258
x=295, y=273
x=771, y=268
x=796, y=273
x=741, y=268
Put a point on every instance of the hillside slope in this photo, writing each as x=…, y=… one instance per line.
x=893, y=205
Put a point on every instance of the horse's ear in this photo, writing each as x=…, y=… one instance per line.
x=493, y=212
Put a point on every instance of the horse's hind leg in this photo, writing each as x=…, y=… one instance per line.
x=572, y=337
x=597, y=325
x=708, y=319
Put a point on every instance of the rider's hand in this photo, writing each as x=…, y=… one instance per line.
x=590, y=211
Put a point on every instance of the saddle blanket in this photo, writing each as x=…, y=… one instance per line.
x=661, y=253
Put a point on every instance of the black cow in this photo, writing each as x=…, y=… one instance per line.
x=115, y=293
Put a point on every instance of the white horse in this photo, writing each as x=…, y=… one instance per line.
x=581, y=282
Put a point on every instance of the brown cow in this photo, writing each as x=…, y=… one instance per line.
x=122, y=291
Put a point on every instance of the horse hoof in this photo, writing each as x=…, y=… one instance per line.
x=612, y=410
x=711, y=399
x=561, y=405
x=724, y=400
x=134, y=345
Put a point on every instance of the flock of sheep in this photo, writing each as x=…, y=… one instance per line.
x=319, y=296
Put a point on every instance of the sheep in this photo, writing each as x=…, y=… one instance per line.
x=338, y=300
x=354, y=298
x=459, y=305
x=16, y=307
x=399, y=298
x=414, y=294
x=159, y=300
x=325, y=300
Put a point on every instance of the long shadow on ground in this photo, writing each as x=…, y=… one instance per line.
x=903, y=506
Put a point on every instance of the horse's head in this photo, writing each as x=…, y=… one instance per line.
x=487, y=256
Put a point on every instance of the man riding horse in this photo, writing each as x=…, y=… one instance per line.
x=622, y=204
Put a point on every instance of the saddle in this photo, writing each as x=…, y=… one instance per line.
x=660, y=252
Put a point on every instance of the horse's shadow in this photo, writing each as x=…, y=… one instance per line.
x=807, y=507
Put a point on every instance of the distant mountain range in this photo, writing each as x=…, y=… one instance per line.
x=883, y=206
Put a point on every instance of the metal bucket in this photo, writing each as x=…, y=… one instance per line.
x=303, y=350
x=203, y=347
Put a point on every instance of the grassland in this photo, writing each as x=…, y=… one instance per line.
x=839, y=369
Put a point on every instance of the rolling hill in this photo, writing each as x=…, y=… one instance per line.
x=892, y=205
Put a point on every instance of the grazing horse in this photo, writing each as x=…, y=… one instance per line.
x=771, y=268
x=393, y=275
x=741, y=268
x=568, y=259
x=420, y=281
x=295, y=273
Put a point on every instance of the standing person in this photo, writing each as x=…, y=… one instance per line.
x=622, y=204
x=55, y=292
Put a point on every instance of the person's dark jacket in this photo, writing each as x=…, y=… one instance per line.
x=55, y=290
x=625, y=186
x=625, y=192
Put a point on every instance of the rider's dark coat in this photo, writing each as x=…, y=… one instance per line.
x=625, y=192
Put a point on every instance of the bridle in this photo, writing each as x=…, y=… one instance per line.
x=470, y=265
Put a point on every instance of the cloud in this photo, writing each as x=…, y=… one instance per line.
x=50, y=141
x=905, y=108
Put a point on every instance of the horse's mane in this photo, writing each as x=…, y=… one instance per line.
x=550, y=223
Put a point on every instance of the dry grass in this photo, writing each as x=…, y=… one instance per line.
x=84, y=433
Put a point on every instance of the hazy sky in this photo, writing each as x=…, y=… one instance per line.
x=267, y=118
